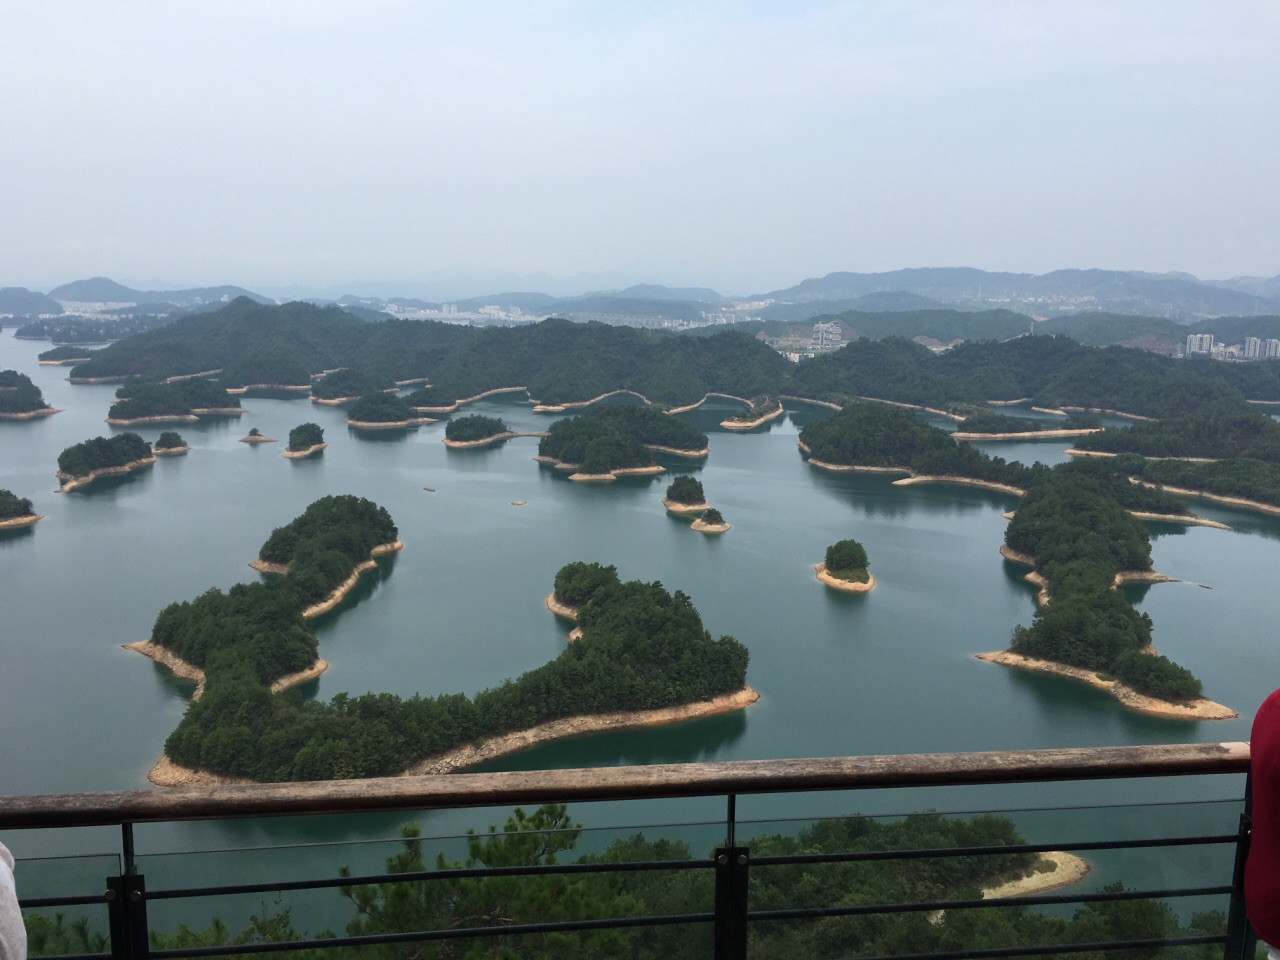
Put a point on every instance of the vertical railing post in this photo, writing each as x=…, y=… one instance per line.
x=1241, y=940
x=127, y=906
x=732, y=874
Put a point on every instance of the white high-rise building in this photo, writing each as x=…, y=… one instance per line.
x=1253, y=348
x=1271, y=349
x=1199, y=343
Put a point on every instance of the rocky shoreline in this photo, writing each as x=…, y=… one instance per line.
x=304, y=452
x=849, y=586
x=14, y=523
x=72, y=482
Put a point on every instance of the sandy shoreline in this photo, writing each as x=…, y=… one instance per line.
x=30, y=414
x=482, y=442
x=1027, y=435
x=258, y=438
x=675, y=507
x=341, y=590
x=1008, y=403
x=915, y=406
x=751, y=424
x=963, y=481
x=578, y=404
x=710, y=529
x=14, y=522
x=592, y=477
x=184, y=670
x=1114, y=413
x=817, y=403
x=849, y=586
x=1215, y=497
x=561, y=609
x=170, y=451
x=1189, y=519
x=1200, y=709
x=304, y=452
x=1077, y=452
x=166, y=773
x=70, y=482
x=218, y=411
x=1067, y=869
x=159, y=418
x=289, y=387
x=707, y=396
x=62, y=363
x=389, y=425
x=677, y=451
x=449, y=408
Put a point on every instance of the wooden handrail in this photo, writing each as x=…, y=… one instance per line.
x=620, y=783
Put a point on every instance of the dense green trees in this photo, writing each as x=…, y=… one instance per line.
x=138, y=399
x=13, y=506
x=686, y=489
x=1244, y=477
x=169, y=440
x=361, y=524
x=608, y=437
x=577, y=582
x=102, y=452
x=65, y=352
x=474, y=427
x=713, y=517
x=644, y=648
x=380, y=408
x=1218, y=431
x=18, y=394
x=305, y=435
x=847, y=560
x=351, y=382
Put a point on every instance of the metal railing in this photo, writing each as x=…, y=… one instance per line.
x=731, y=915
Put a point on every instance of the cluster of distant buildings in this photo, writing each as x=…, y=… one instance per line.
x=1253, y=348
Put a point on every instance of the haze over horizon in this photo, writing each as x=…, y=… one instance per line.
x=340, y=147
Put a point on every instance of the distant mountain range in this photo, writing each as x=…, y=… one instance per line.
x=1175, y=296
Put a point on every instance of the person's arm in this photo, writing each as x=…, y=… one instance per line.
x=13, y=935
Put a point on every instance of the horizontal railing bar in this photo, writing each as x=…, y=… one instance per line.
x=454, y=933
x=420, y=875
x=939, y=853
x=1039, y=900
x=620, y=783
x=36, y=903
x=1101, y=946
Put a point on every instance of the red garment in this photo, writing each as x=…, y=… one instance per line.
x=1262, y=870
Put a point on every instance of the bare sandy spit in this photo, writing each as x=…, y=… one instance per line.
x=161, y=418
x=1067, y=869
x=289, y=387
x=191, y=376
x=1190, y=519
x=578, y=404
x=70, y=482
x=62, y=363
x=1077, y=452
x=1191, y=710
x=710, y=529
x=510, y=743
x=120, y=379
x=1028, y=435
x=184, y=670
x=259, y=438
x=575, y=634
x=30, y=414
x=170, y=451
x=14, y=522
x=817, y=403
x=675, y=507
x=166, y=773
x=592, y=477
x=392, y=425
x=218, y=411
x=561, y=609
x=752, y=424
x=1114, y=413
x=705, y=397
x=915, y=406
x=1008, y=403
x=304, y=452
x=1266, y=403
x=449, y=408
x=1215, y=497
x=677, y=451
x=482, y=442
x=651, y=471
x=410, y=382
x=849, y=586
x=963, y=481
x=333, y=401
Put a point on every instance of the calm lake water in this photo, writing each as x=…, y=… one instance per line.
x=461, y=608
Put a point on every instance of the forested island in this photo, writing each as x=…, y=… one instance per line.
x=475, y=431
x=760, y=410
x=305, y=440
x=618, y=440
x=82, y=463
x=350, y=383
x=256, y=436
x=685, y=495
x=712, y=521
x=64, y=355
x=180, y=400
x=16, y=511
x=20, y=399
x=383, y=411
x=169, y=444
x=1073, y=524
x=244, y=639
x=988, y=425
x=844, y=567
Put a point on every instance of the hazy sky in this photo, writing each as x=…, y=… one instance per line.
x=743, y=146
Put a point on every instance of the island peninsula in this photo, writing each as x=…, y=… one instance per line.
x=16, y=511
x=83, y=463
x=21, y=399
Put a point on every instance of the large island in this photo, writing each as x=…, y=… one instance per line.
x=605, y=443
x=85, y=462
x=16, y=511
